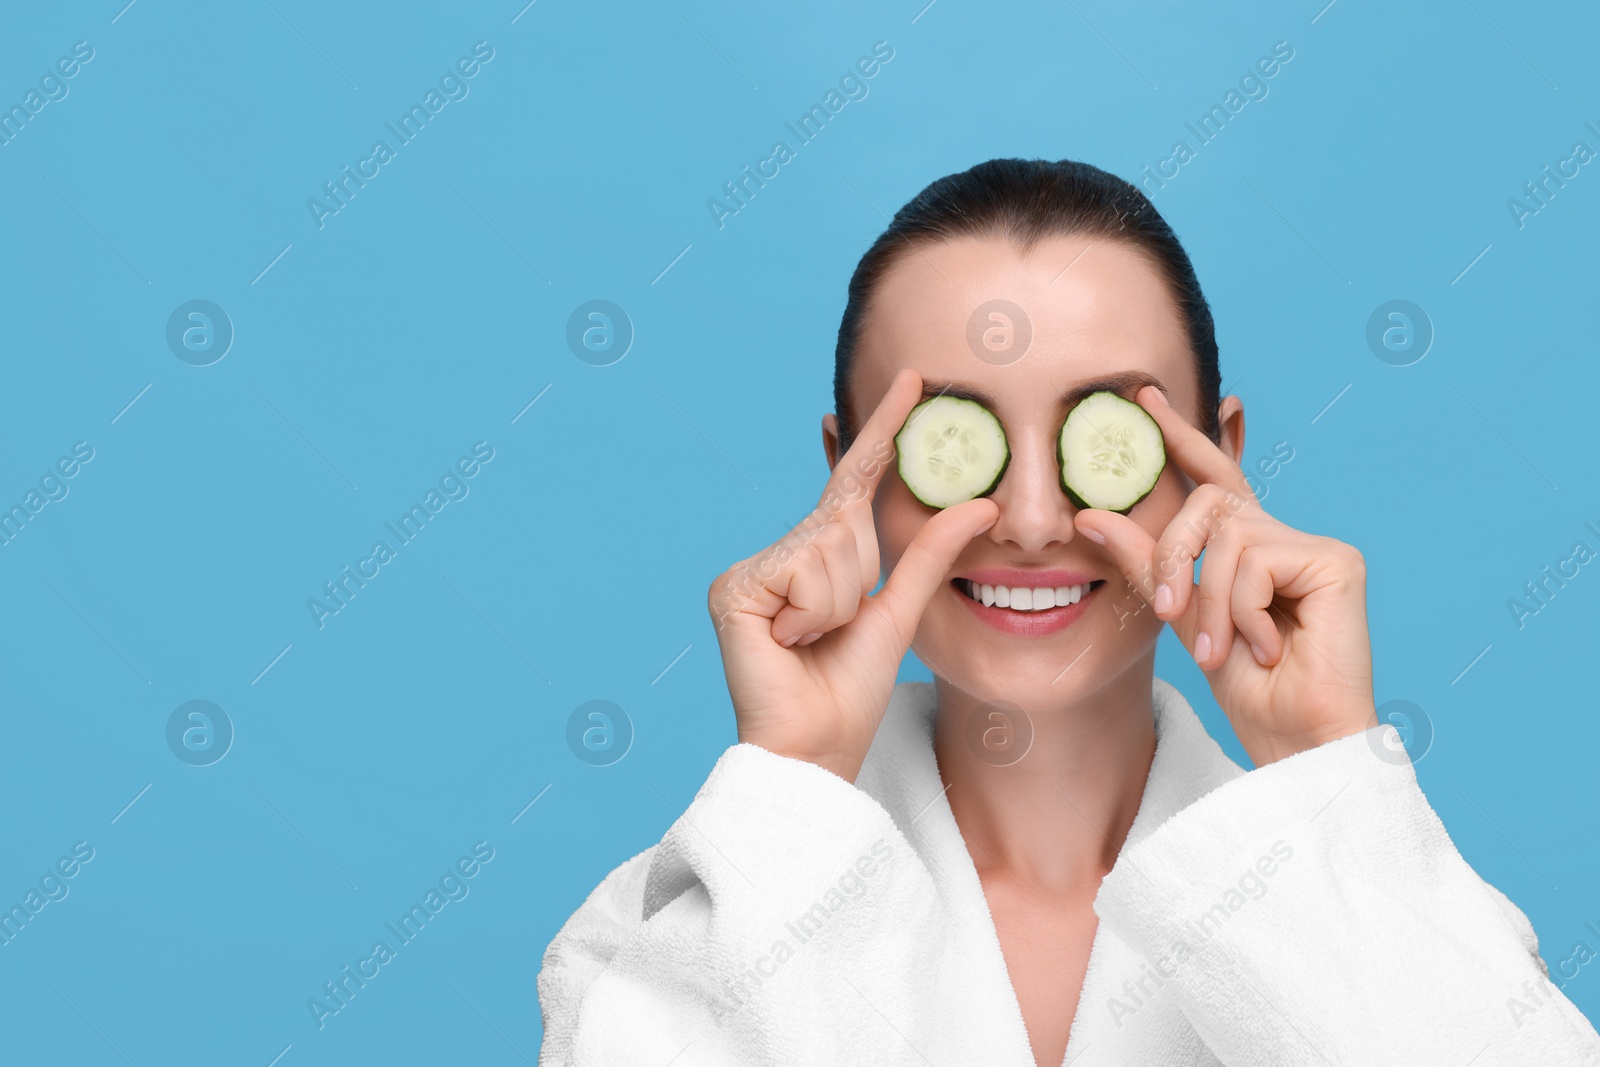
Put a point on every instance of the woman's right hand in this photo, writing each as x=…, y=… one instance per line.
x=810, y=657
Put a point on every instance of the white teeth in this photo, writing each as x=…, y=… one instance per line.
x=1024, y=598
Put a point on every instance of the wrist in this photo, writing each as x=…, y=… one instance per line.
x=836, y=763
x=1265, y=748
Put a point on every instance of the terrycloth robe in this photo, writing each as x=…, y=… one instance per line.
x=1312, y=911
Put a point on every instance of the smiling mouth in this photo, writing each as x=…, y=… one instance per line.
x=1024, y=600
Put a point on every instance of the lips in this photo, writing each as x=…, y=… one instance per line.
x=1033, y=622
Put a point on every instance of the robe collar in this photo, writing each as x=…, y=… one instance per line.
x=1123, y=1013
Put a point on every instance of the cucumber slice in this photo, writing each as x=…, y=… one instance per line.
x=951, y=450
x=1110, y=453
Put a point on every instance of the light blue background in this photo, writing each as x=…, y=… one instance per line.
x=432, y=309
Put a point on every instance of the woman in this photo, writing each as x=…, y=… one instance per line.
x=1041, y=857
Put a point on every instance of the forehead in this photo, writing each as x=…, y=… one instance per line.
x=1023, y=327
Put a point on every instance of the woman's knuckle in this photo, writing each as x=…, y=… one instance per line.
x=834, y=536
x=1171, y=557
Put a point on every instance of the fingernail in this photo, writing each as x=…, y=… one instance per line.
x=1094, y=535
x=1161, y=398
x=808, y=638
x=1261, y=657
x=1202, y=647
x=986, y=527
x=1163, y=598
x=789, y=641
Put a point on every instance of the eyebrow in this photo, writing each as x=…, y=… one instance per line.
x=1114, y=383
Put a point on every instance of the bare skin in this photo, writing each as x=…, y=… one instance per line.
x=811, y=657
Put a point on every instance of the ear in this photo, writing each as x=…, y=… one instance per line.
x=830, y=439
x=1230, y=423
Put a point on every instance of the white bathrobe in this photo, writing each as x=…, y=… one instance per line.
x=1312, y=911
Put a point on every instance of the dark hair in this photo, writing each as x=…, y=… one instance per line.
x=1026, y=200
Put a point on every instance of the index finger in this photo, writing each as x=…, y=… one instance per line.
x=859, y=471
x=1196, y=454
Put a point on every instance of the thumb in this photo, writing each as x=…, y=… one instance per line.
x=927, y=560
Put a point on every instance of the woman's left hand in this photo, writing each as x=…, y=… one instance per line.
x=1278, y=620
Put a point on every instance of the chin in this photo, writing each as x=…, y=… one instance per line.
x=1004, y=668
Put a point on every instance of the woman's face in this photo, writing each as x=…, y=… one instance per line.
x=1095, y=309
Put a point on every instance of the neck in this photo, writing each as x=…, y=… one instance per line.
x=1058, y=816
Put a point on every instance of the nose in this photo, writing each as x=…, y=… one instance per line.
x=1035, y=514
